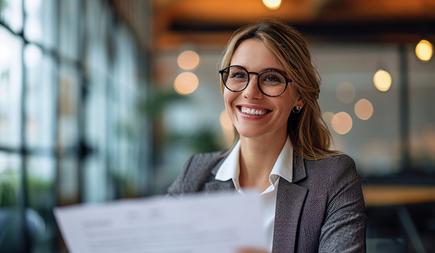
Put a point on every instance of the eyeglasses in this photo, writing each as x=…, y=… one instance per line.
x=271, y=82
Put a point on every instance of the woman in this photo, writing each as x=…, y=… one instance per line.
x=312, y=194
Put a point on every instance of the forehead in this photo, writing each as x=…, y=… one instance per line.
x=255, y=56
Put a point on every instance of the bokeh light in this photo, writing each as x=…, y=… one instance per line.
x=363, y=109
x=188, y=60
x=341, y=123
x=345, y=92
x=186, y=83
x=382, y=80
x=327, y=117
x=424, y=50
x=272, y=4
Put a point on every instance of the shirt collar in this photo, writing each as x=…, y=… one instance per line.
x=283, y=166
x=230, y=169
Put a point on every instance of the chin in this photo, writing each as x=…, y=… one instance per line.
x=249, y=133
x=252, y=132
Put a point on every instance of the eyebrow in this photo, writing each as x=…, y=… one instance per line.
x=273, y=69
x=262, y=70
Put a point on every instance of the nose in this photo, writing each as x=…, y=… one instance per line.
x=252, y=90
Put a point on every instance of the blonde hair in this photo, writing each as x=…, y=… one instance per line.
x=308, y=132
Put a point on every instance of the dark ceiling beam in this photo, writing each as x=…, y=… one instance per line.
x=354, y=30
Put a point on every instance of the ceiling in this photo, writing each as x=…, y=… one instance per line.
x=172, y=23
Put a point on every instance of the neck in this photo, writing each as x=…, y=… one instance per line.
x=257, y=157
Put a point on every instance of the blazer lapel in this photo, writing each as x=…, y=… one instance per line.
x=289, y=204
x=217, y=185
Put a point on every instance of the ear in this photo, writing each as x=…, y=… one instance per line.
x=299, y=102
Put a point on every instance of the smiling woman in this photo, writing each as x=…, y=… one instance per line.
x=312, y=194
x=262, y=106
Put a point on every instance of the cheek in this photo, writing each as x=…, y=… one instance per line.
x=286, y=111
x=229, y=98
x=286, y=105
x=291, y=98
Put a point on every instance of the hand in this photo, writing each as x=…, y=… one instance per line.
x=250, y=250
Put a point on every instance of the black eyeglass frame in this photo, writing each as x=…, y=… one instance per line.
x=222, y=71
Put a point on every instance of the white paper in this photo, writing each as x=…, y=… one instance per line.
x=193, y=224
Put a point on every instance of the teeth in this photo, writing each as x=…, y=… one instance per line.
x=252, y=111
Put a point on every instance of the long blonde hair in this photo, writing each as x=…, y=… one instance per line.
x=308, y=132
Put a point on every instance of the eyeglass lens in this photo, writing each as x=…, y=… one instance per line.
x=270, y=82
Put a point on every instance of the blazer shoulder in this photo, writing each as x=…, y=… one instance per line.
x=337, y=164
x=196, y=172
x=343, y=228
x=332, y=172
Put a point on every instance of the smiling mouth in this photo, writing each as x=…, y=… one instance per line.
x=252, y=111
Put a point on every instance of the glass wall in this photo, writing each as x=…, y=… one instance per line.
x=422, y=116
x=69, y=118
x=347, y=72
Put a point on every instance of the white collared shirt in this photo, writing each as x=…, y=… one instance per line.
x=283, y=167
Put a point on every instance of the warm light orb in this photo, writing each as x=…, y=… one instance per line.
x=341, y=123
x=227, y=128
x=345, y=92
x=186, y=83
x=363, y=109
x=327, y=117
x=382, y=80
x=188, y=60
x=424, y=50
x=272, y=4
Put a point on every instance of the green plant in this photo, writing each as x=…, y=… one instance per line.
x=154, y=105
x=124, y=184
x=202, y=140
x=39, y=190
x=8, y=188
x=40, y=193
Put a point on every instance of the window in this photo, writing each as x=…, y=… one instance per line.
x=347, y=77
x=66, y=94
x=422, y=116
x=41, y=98
x=40, y=23
x=10, y=89
x=11, y=13
x=69, y=29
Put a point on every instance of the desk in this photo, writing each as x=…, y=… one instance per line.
x=388, y=195
x=400, y=196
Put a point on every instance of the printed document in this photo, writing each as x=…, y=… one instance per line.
x=201, y=223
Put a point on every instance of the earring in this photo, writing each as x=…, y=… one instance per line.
x=297, y=109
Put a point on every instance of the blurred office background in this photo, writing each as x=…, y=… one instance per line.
x=106, y=99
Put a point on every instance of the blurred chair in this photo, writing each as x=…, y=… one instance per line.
x=385, y=245
x=10, y=229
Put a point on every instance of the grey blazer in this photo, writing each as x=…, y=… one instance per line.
x=322, y=210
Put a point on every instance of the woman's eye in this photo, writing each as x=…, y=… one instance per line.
x=237, y=75
x=272, y=78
